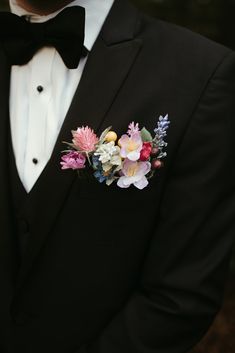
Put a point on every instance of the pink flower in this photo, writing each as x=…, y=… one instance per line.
x=146, y=151
x=73, y=160
x=85, y=139
x=133, y=129
x=131, y=146
x=134, y=173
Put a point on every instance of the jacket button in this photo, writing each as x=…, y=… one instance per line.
x=21, y=319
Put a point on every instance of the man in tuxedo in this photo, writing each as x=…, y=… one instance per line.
x=87, y=268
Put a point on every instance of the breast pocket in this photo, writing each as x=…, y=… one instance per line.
x=97, y=214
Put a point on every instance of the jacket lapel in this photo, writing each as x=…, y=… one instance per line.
x=107, y=67
x=8, y=259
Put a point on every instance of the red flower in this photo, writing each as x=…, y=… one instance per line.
x=146, y=151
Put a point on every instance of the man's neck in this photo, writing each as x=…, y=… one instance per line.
x=42, y=9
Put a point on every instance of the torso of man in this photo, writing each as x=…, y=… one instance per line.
x=102, y=268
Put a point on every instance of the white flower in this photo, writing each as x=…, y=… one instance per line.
x=109, y=155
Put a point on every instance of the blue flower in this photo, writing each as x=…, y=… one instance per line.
x=100, y=176
x=95, y=162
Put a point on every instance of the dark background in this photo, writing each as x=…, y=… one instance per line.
x=216, y=20
x=212, y=18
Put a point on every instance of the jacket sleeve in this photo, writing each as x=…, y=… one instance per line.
x=183, y=277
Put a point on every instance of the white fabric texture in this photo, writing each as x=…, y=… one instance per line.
x=36, y=117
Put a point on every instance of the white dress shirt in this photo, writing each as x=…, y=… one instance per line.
x=41, y=93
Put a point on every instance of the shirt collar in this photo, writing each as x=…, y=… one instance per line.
x=96, y=13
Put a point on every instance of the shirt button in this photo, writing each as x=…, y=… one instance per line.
x=35, y=161
x=39, y=89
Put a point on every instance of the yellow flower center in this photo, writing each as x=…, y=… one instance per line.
x=132, y=146
x=132, y=170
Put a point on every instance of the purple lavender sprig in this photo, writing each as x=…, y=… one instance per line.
x=160, y=134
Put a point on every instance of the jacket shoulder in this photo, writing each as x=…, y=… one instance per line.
x=180, y=43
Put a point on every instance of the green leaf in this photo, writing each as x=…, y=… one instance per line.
x=104, y=133
x=145, y=135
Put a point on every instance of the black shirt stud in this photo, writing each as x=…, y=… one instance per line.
x=39, y=89
x=35, y=161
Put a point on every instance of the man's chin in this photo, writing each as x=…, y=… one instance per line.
x=43, y=7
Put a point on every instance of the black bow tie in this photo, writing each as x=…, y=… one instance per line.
x=22, y=39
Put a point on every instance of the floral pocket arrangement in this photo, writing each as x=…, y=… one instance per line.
x=132, y=159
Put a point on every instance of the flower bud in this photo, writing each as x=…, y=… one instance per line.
x=111, y=136
x=156, y=164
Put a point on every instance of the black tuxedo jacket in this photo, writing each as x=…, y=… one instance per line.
x=109, y=270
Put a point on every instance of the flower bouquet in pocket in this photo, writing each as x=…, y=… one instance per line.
x=129, y=160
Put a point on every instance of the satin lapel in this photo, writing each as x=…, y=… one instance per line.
x=106, y=69
x=7, y=254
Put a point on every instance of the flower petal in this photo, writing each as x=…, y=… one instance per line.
x=142, y=183
x=123, y=182
x=133, y=156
